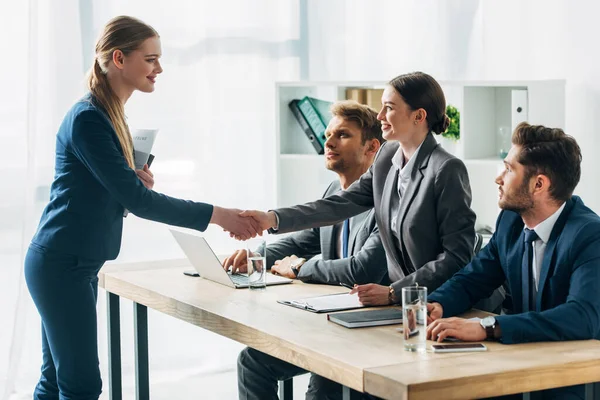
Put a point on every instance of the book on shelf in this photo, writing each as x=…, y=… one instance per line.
x=313, y=115
x=369, y=97
x=359, y=319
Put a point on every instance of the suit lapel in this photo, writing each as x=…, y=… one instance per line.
x=329, y=238
x=355, y=224
x=548, y=255
x=416, y=176
x=550, y=248
x=515, y=257
x=386, y=212
x=329, y=242
x=525, y=306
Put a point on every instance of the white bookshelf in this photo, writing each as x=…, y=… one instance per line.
x=484, y=107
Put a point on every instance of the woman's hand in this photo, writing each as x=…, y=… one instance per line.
x=242, y=228
x=146, y=176
x=372, y=294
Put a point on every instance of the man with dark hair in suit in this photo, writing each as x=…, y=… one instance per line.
x=352, y=252
x=546, y=246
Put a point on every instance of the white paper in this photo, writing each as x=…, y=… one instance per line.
x=330, y=302
x=143, y=140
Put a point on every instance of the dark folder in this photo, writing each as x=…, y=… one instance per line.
x=312, y=135
x=313, y=116
x=359, y=319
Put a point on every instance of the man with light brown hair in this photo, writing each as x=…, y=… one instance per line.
x=352, y=252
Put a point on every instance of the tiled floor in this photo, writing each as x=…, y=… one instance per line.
x=220, y=385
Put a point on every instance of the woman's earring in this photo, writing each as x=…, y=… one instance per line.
x=416, y=122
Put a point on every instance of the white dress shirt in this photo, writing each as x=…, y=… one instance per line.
x=543, y=230
x=404, y=170
x=339, y=246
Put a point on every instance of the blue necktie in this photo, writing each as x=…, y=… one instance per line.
x=527, y=280
x=345, y=234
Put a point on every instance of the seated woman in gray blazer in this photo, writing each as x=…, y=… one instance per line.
x=421, y=195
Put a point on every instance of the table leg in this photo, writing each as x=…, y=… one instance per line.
x=350, y=394
x=142, y=381
x=286, y=389
x=592, y=391
x=115, y=389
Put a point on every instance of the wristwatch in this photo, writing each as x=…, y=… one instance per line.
x=296, y=264
x=489, y=324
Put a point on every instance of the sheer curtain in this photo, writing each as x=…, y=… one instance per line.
x=38, y=86
x=214, y=106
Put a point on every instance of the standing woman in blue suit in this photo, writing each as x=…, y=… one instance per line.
x=81, y=227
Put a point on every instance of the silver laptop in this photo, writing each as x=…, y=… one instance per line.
x=207, y=264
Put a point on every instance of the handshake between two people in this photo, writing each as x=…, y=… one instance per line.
x=243, y=224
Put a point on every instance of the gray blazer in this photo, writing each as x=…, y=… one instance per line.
x=437, y=225
x=366, y=264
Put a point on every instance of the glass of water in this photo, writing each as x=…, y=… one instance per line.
x=257, y=263
x=414, y=318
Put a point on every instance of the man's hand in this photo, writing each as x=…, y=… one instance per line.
x=435, y=311
x=372, y=294
x=459, y=328
x=230, y=220
x=146, y=176
x=284, y=267
x=238, y=262
x=264, y=220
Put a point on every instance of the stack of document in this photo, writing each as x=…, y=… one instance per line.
x=327, y=303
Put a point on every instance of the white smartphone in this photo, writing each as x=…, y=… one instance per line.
x=458, y=347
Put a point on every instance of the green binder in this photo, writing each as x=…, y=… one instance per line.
x=317, y=115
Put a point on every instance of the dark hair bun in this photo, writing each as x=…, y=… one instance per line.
x=441, y=126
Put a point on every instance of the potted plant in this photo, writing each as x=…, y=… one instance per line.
x=451, y=135
x=453, y=131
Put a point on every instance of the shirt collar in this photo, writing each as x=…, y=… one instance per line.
x=544, y=228
x=398, y=160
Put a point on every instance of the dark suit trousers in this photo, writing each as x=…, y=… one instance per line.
x=566, y=393
x=64, y=289
x=258, y=374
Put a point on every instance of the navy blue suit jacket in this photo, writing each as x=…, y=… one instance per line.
x=93, y=184
x=568, y=299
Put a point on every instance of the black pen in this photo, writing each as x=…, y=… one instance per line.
x=346, y=285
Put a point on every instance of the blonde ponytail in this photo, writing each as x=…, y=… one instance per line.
x=100, y=89
x=125, y=34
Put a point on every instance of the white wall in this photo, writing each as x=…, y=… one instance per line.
x=470, y=40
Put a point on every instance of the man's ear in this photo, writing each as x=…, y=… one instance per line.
x=541, y=183
x=118, y=58
x=373, y=146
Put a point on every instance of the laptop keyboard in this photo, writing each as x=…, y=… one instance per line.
x=239, y=279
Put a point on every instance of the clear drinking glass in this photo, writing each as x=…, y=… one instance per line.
x=414, y=318
x=257, y=263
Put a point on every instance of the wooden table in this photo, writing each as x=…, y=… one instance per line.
x=370, y=360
